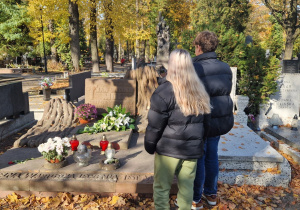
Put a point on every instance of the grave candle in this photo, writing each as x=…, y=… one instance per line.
x=74, y=143
x=295, y=123
x=103, y=144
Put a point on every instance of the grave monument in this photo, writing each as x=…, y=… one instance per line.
x=105, y=93
x=163, y=43
x=285, y=102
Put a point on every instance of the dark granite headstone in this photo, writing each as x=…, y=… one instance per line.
x=29, y=60
x=290, y=66
x=18, y=60
x=13, y=102
x=77, y=85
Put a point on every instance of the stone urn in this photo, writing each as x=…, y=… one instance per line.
x=55, y=164
x=46, y=94
x=241, y=102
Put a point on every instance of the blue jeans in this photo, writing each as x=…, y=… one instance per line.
x=207, y=170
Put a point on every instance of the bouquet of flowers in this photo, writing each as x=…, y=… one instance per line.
x=46, y=82
x=55, y=149
x=86, y=111
x=116, y=119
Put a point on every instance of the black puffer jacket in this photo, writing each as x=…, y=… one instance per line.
x=169, y=132
x=217, y=78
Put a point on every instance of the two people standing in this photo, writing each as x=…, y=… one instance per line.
x=181, y=132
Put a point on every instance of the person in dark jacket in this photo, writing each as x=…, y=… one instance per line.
x=177, y=121
x=217, y=79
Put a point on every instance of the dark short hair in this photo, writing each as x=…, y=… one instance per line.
x=207, y=40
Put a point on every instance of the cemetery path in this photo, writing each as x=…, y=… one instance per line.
x=231, y=196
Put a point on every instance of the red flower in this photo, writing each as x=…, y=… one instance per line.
x=11, y=162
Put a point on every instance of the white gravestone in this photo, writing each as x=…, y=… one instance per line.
x=285, y=102
x=233, y=89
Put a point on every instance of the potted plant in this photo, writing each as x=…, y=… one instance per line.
x=85, y=112
x=54, y=151
x=46, y=84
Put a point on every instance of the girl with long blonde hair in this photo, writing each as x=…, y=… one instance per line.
x=178, y=120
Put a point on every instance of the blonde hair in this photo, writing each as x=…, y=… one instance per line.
x=190, y=93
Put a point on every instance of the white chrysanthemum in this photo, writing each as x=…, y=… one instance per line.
x=113, y=119
x=42, y=148
x=58, y=141
x=59, y=149
x=66, y=141
x=50, y=146
x=50, y=141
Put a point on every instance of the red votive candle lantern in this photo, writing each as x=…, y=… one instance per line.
x=74, y=143
x=103, y=144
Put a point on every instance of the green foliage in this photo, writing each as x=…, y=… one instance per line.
x=14, y=38
x=256, y=76
x=64, y=53
x=275, y=42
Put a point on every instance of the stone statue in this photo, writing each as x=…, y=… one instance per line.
x=163, y=43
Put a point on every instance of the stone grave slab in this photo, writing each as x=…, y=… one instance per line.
x=243, y=144
x=243, y=165
x=288, y=136
x=105, y=93
x=120, y=140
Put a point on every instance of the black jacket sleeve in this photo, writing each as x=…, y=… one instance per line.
x=157, y=121
x=206, y=124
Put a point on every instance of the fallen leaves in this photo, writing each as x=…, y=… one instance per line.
x=82, y=201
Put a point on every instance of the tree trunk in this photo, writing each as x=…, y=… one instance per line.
x=109, y=51
x=93, y=37
x=289, y=44
x=54, y=56
x=74, y=34
x=109, y=45
x=142, y=49
x=119, y=52
x=147, y=51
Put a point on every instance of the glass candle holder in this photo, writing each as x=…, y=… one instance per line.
x=74, y=143
x=103, y=144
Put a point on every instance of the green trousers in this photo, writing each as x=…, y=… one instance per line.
x=164, y=170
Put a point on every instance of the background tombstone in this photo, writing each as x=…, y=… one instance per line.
x=105, y=93
x=233, y=88
x=163, y=43
x=249, y=40
x=285, y=102
x=133, y=63
x=290, y=66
